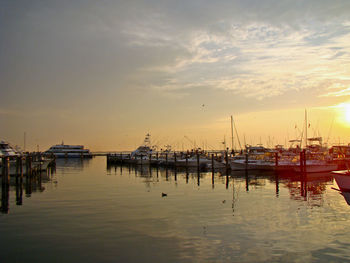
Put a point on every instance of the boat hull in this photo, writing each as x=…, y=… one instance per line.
x=343, y=180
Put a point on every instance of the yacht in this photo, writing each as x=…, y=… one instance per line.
x=6, y=150
x=69, y=151
x=142, y=153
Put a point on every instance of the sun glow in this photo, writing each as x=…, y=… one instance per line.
x=343, y=110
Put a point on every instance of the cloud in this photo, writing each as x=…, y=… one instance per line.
x=257, y=49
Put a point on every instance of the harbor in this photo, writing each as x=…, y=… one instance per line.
x=175, y=131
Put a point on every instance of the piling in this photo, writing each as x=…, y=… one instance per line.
x=5, y=185
x=276, y=159
x=226, y=160
x=5, y=170
x=212, y=165
x=246, y=161
x=198, y=161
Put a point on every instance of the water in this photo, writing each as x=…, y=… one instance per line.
x=86, y=212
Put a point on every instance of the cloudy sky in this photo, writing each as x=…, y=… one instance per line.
x=104, y=73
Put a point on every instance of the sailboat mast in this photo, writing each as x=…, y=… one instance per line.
x=305, y=129
x=24, y=142
x=232, y=133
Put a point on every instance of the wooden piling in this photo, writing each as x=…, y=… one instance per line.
x=198, y=164
x=246, y=161
x=276, y=159
x=226, y=160
x=212, y=164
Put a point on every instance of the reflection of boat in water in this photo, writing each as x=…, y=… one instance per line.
x=346, y=196
x=72, y=164
x=69, y=151
x=343, y=179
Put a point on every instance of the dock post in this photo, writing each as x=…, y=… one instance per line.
x=302, y=161
x=150, y=158
x=5, y=191
x=166, y=159
x=186, y=161
x=246, y=161
x=5, y=169
x=28, y=165
x=175, y=159
x=212, y=169
x=227, y=181
x=226, y=160
x=276, y=159
x=198, y=164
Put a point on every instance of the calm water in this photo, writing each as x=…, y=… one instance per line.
x=86, y=212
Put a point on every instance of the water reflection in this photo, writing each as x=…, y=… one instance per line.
x=29, y=184
x=101, y=214
x=68, y=165
x=301, y=187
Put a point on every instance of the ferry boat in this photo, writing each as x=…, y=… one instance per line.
x=69, y=151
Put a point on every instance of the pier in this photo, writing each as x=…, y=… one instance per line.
x=184, y=159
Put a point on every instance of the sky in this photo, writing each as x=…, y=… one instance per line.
x=105, y=73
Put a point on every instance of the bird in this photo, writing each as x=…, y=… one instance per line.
x=164, y=194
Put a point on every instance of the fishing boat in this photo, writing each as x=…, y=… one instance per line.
x=142, y=154
x=69, y=151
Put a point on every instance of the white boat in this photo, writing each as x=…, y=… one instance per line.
x=69, y=151
x=6, y=150
x=142, y=154
x=343, y=179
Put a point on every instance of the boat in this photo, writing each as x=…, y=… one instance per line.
x=316, y=166
x=142, y=154
x=343, y=179
x=69, y=151
x=255, y=158
x=6, y=150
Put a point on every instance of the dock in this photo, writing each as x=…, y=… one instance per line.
x=185, y=159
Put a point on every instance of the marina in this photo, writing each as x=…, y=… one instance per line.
x=175, y=131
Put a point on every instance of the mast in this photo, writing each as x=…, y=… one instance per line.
x=305, y=129
x=24, y=142
x=232, y=133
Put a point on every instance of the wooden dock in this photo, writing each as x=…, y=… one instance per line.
x=200, y=160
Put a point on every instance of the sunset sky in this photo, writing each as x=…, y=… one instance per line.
x=105, y=73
